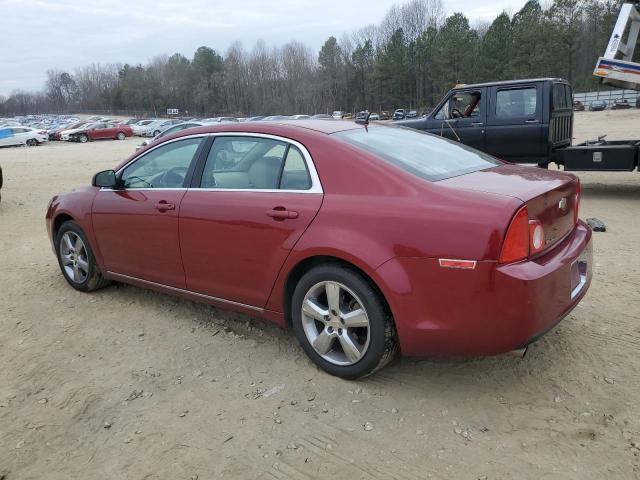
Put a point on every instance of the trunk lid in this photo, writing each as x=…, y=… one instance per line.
x=550, y=196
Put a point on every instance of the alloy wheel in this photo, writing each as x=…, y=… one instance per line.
x=74, y=257
x=335, y=323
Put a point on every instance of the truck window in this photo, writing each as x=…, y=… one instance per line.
x=516, y=102
x=460, y=105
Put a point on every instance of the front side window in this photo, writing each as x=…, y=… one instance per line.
x=163, y=167
x=254, y=163
x=422, y=154
x=460, y=105
x=516, y=102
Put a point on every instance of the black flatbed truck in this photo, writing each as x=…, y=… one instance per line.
x=524, y=121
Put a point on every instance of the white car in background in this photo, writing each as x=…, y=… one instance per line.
x=157, y=127
x=172, y=129
x=22, y=136
x=140, y=128
x=64, y=135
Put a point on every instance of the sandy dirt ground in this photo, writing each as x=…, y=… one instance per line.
x=129, y=384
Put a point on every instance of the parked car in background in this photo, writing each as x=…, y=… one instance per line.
x=275, y=117
x=220, y=120
x=385, y=115
x=15, y=136
x=374, y=116
x=620, y=104
x=100, y=131
x=332, y=259
x=140, y=128
x=64, y=134
x=400, y=114
x=154, y=128
x=578, y=106
x=299, y=117
x=338, y=114
x=361, y=115
x=257, y=118
x=172, y=129
x=322, y=116
x=411, y=113
x=597, y=106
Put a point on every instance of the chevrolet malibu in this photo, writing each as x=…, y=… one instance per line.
x=364, y=240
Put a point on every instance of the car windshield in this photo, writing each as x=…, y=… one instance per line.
x=422, y=154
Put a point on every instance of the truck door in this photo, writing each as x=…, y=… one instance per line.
x=462, y=117
x=515, y=126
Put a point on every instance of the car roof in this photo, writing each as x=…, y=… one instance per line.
x=508, y=82
x=280, y=126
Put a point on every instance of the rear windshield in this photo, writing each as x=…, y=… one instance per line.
x=422, y=154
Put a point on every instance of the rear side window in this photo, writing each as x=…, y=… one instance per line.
x=562, y=98
x=516, y=102
x=422, y=154
x=253, y=163
x=295, y=175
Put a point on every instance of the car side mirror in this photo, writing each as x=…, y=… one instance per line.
x=105, y=179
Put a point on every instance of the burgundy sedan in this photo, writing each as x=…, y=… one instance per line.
x=363, y=240
x=101, y=131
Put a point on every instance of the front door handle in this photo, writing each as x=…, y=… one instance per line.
x=531, y=121
x=477, y=124
x=163, y=206
x=281, y=213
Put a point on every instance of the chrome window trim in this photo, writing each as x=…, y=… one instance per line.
x=316, y=185
x=188, y=292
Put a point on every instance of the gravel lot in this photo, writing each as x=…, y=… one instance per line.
x=130, y=384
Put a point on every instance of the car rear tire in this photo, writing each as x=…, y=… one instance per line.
x=32, y=142
x=121, y=136
x=342, y=322
x=76, y=259
x=83, y=138
x=156, y=133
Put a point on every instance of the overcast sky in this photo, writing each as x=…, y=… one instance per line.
x=37, y=35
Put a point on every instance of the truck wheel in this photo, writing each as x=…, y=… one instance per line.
x=342, y=322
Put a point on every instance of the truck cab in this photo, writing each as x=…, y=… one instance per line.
x=522, y=121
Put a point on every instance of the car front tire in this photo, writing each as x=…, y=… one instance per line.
x=76, y=259
x=342, y=322
x=32, y=142
x=83, y=138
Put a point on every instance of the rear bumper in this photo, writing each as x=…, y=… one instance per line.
x=490, y=310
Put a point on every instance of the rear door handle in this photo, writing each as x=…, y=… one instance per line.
x=531, y=121
x=163, y=206
x=281, y=213
x=477, y=124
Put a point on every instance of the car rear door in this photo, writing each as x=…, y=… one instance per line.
x=252, y=198
x=136, y=226
x=514, y=129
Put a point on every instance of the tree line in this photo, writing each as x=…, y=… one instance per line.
x=409, y=60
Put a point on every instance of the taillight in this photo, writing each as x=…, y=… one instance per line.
x=576, y=203
x=536, y=236
x=516, y=241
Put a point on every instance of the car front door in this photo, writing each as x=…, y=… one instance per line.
x=136, y=225
x=514, y=125
x=461, y=118
x=255, y=197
